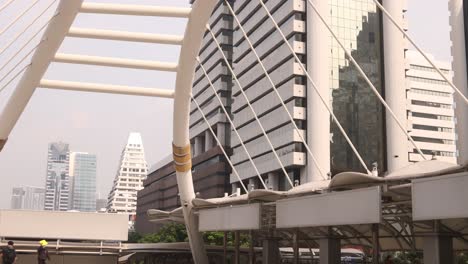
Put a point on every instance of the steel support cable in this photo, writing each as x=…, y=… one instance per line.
x=250, y=106
x=335, y=119
x=232, y=124
x=27, y=27
x=18, y=17
x=364, y=75
x=320, y=169
x=14, y=77
x=21, y=61
x=390, y=17
x=25, y=45
x=6, y=5
x=219, y=144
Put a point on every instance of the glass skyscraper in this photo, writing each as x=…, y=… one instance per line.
x=57, y=182
x=358, y=25
x=83, y=174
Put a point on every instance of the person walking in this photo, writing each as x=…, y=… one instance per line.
x=42, y=252
x=9, y=253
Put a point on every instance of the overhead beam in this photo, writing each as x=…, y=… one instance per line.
x=106, y=88
x=43, y=55
x=135, y=10
x=125, y=36
x=115, y=62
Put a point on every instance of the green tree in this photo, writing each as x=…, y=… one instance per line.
x=462, y=258
x=173, y=232
x=169, y=233
x=403, y=257
x=217, y=238
x=133, y=237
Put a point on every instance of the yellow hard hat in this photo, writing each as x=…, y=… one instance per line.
x=43, y=243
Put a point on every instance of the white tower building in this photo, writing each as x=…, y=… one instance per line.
x=129, y=179
x=430, y=110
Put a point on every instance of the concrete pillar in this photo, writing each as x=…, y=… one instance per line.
x=234, y=187
x=330, y=251
x=221, y=133
x=209, y=140
x=273, y=181
x=459, y=67
x=295, y=247
x=375, y=244
x=271, y=254
x=252, y=248
x=198, y=146
x=237, y=247
x=395, y=90
x=253, y=184
x=318, y=117
x=225, y=241
x=438, y=249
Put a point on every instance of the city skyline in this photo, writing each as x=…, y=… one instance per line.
x=84, y=128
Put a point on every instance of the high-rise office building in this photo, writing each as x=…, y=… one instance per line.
x=83, y=175
x=459, y=36
x=210, y=169
x=365, y=33
x=28, y=198
x=430, y=110
x=57, y=182
x=130, y=176
x=101, y=205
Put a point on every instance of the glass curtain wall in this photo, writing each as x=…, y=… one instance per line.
x=358, y=24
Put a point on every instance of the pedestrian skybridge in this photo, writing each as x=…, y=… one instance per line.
x=418, y=207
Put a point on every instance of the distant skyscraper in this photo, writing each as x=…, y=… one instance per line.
x=83, y=176
x=57, y=182
x=101, y=204
x=129, y=179
x=28, y=198
x=430, y=110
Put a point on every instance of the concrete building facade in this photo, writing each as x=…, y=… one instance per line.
x=83, y=168
x=27, y=198
x=131, y=173
x=57, y=196
x=430, y=110
x=459, y=35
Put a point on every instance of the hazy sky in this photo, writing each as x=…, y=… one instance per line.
x=99, y=123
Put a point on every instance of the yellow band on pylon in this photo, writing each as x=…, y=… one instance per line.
x=182, y=158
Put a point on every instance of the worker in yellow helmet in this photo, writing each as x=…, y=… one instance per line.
x=42, y=252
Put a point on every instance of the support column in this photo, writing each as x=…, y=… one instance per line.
x=318, y=118
x=234, y=187
x=459, y=67
x=271, y=253
x=209, y=140
x=295, y=247
x=221, y=133
x=237, y=247
x=252, y=248
x=198, y=146
x=330, y=250
x=438, y=249
x=395, y=90
x=273, y=181
x=375, y=244
x=253, y=184
x=225, y=241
